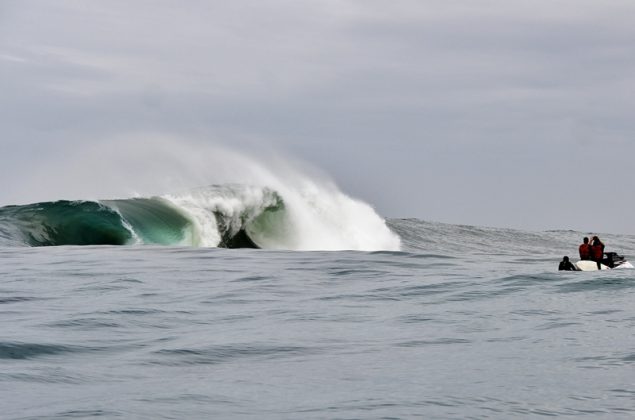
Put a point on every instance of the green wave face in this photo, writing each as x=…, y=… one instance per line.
x=155, y=221
x=130, y=221
x=63, y=223
x=270, y=225
x=230, y=216
x=114, y=222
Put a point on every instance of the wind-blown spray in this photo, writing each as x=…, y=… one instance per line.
x=272, y=206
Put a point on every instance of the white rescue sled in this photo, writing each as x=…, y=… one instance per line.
x=612, y=261
x=587, y=265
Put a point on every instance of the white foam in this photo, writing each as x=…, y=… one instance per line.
x=323, y=218
x=232, y=201
x=315, y=217
x=625, y=265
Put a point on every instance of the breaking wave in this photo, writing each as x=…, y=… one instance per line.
x=231, y=216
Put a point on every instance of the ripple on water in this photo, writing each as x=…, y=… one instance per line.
x=597, y=284
x=226, y=353
x=18, y=350
x=46, y=375
x=604, y=361
x=437, y=342
x=84, y=324
x=16, y=299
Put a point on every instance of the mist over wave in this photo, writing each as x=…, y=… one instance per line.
x=260, y=199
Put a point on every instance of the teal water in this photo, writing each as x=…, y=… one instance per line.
x=154, y=220
x=463, y=322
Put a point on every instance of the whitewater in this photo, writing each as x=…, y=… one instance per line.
x=243, y=300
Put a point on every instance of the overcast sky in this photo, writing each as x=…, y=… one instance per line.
x=487, y=112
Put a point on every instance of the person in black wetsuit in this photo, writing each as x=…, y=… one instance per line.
x=566, y=265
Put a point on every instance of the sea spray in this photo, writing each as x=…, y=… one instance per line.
x=263, y=200
x=296, y=218
x=219, y=212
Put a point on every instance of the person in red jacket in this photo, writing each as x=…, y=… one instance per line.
x=597, y=251
x=585, y=249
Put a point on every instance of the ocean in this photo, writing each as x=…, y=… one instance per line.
x=247, y=302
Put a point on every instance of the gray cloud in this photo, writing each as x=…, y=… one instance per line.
x=480, y=112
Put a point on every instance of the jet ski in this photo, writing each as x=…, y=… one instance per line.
x=611, y=260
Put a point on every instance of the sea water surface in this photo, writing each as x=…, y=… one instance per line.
x=462, y=322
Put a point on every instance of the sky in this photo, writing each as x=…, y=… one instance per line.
x=501, y=113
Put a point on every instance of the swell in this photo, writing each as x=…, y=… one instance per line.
x=513, y=245
x=62, y=223
x=111, y=222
